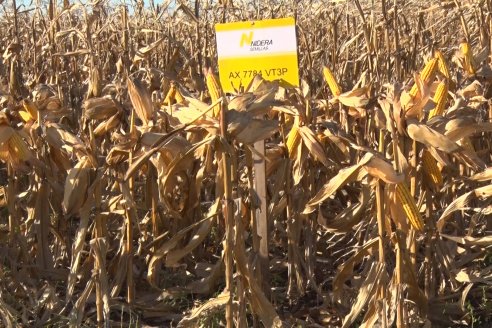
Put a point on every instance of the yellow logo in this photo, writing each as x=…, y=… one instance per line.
x=246, y=39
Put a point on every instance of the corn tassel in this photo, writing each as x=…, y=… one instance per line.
x=293, y=139
x=409, y=206
x=469, y=64
x=332, y=82
x=426, y=75
x=442, y=65
x=440, y=98
x=214, y=90
x=430, y=168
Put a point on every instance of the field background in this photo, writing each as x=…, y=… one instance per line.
x=127, y=182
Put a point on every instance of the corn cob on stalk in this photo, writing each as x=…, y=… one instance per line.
x=30, y=110
x=440, y=98
x=409, y=206
x=18, y=148
x=214, y=90
x=469, y=65
x=25, y=116
x=171, y=95
x=293, y=139
x=15, y=150
x=179, y=97
x=429, y=165
x=332, y=82
x=430, y=168
x=442, y=65
x=426, y=75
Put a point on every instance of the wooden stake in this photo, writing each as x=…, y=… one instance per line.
x=262, y=272
x=229, y=223
x=380, y=218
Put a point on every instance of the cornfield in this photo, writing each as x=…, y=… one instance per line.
x=134, y=192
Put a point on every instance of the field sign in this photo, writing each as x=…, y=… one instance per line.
x=267, y=47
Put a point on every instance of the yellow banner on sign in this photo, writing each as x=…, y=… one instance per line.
x=267, y=47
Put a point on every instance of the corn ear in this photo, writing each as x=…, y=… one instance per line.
x=18, y=148
x=179, y=97
x=409, y=206
x=469, y=65
x=332, y=82
x=426, y=75
x=31, y=108
x=430, y=168
x=293, y=139
x=171, y=96
x=214, y=90
x=25, y=116
x=442, y=65
x=440, y=98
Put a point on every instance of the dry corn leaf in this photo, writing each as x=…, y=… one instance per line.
x=259, y=302
x=468, y=240
x=144, y=52
x=99, y=108
x=165, y=248
x=346, y=269
x=255, y=103
x=207, y=284
x=155, y=148
x=380, y=168
x=248, y=130
x=314, y=145
x=183, y=163
x=483, y=176
x=368, y=291
x=186, y=115
x=175, y=147
x=356, y=98
x=343, y=177
x=213, y=304
x=6, y=133
x=59, y=138
x=467, y=130
x=77, y=313
x=104, y=127
x=474, y=89
x=346, y=220
x=424, y=134
x=472, y=277
x=461, y=203
x=76, y=186
x=141, y=100
x=79, y=240
x=371, y=316
x=199, y=235
x=100, y=249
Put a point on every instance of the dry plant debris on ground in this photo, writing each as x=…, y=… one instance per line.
x=127, y=184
